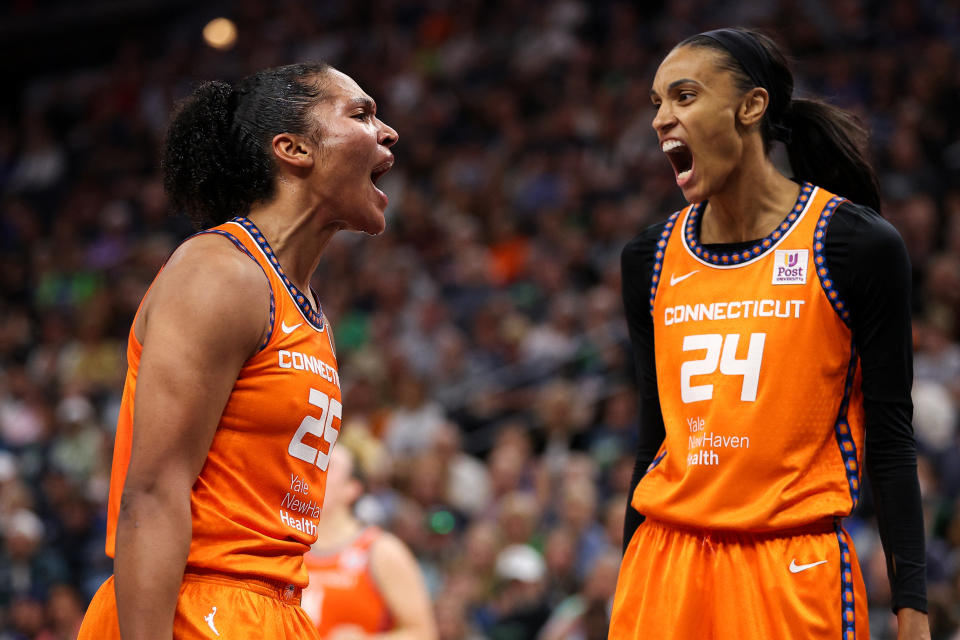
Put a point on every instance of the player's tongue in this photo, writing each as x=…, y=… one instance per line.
x=683, y=177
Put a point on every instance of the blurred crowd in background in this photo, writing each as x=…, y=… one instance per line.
x=488, y=382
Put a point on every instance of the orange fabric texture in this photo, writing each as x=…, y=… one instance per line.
x=758, y=383
x=211, y=607
x=682, y=584
x=343, y=592
x=256, y=501
x=759, y=386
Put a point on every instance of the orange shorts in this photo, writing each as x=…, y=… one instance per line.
x=213, y=605
x=682, y=584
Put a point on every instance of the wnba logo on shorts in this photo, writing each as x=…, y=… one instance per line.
x=790, y=267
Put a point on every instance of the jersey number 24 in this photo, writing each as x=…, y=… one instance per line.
x=721, y=351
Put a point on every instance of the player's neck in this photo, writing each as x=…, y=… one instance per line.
x=336, y=528
x=294, y=236
x=750, y=207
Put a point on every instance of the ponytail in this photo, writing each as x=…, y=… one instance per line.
x=216, y=159
x=200, y=172
x=828, y=147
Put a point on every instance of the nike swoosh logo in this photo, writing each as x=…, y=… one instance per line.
x=675, y=279
x=286, y=329
x=797, y=568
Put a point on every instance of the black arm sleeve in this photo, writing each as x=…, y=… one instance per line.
x=636, y=263
x=871, y=270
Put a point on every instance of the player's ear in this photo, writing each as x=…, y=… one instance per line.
x=293, y=149
x=753, y=105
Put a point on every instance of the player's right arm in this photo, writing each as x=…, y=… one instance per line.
x=636, y=264
x=206, y=313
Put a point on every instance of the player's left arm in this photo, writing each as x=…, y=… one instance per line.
x=402, y=585
x=872, y=270
x=912, y=625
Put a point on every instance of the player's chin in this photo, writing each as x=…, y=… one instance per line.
x=377, y=228
x=372, y=224
x=694, y=194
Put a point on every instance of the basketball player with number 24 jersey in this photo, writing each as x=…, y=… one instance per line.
x=770, y=324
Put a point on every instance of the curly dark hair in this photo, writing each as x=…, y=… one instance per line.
x=216, y=160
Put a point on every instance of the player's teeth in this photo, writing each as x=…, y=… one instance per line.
x=683, y=175
x=670, y=145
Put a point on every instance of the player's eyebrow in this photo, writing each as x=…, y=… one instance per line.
x=676, y=83
x=364, y=102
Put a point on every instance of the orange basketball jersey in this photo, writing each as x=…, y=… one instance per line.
x=758, y=379
x=258, y=496
x=343, y=592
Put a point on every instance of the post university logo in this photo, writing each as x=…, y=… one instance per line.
x=790, y=266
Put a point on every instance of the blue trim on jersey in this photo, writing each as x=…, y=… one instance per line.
x=848, y=609
x=655, y=462
x=236, y=241
x=725, y=259
x=313, y=317
x=820, y=260
x=848, y=448
x=658, y=258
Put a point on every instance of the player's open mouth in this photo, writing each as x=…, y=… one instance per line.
x=680, y=157
x=380, y=169
x=376, y=174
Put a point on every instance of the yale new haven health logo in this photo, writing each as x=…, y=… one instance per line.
x=790, y=266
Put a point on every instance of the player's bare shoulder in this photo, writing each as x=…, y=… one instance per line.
x=216, y=255
x=208, y=278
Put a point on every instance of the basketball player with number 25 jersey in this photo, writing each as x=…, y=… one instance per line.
x=262, y=486
x=770, y=326
x=232, y=403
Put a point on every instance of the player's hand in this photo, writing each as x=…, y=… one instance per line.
x=912, y=625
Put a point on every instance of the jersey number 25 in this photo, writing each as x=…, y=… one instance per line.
x=322, y=427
